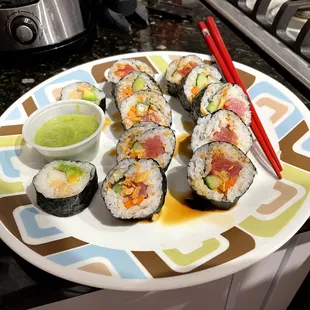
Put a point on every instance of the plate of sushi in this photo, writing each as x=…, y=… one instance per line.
x=141, y=172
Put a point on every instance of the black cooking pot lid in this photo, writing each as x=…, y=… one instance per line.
x=11, y=4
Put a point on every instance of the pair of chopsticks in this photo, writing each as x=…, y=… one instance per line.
x=217, y=47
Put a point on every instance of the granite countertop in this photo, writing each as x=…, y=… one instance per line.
x=23, y=286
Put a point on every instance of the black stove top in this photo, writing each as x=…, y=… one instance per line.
x=10, y=4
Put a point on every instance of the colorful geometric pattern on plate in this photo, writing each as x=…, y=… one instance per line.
x=183, y=247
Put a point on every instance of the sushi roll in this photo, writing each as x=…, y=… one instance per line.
x=135, y=189
x=178, y=69
x=133, y=82
x=221, y=173
x=229, y=97
x=225, y=126
x=124, y=66
x=84, y=91
x=145, y=106
x=157, y=142
x=195, y=81
x=65, y=188
x=198, y=104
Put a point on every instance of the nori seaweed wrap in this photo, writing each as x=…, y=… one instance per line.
x=221, y=173
x=65, y=188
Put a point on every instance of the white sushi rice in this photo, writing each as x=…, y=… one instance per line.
x=199, y=168
x=114, y=201
x=71, y=91
x=48, y=180
x=128, y=80
x=166, y=135
x=180, y=63
x=211, y=124
x=153, y=98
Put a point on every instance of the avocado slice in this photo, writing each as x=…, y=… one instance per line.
x=212, y=106
x=89, y=95
x=73, y=173
x=212, y=181
x=117, y=187
x=138, y=84
x=136, y=146
x=201, y=80
x=176, y=75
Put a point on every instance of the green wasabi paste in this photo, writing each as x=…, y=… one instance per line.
x=66, y=130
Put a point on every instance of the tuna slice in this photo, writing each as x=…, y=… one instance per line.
x=153, y=147
x=187, y=68
x=124, y=71
x=236, y=105
x=222, y=164
x=225, y=135
x=143, y=189
x=150, y=118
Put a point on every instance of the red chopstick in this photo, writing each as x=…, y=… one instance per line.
x=225, y=55
x=226, y=65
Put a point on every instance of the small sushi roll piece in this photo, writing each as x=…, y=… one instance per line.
x=145, y=106
x=133, y=82
x=135, y=189
x=222, y=125
x=195, y=81
x=84, y=91
x=229, y=97
x=65, y=188
x=221, y=173
x=123, y=67
x=178, y=69
x=201, y=101
x=157, y=143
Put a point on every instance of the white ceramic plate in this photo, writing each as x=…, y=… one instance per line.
x=184, y=247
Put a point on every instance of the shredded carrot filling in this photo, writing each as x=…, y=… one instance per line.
x=226, y=181
x=132, y=115
x=132, y=203
x=126, y=92
x=131, y=188
x=230, y=183
x=195, y=90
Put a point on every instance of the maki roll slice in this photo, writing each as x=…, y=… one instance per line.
x=133, y=82
x=201, y=101
x=178, y=69
x=84, y=91
x=145, y=106
x=221, y=173
x=195, y=81
x=224, y=126
x=123, y=67
x=65, y=188
x=135, y=189
x=229, y=97
x=157, y=142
